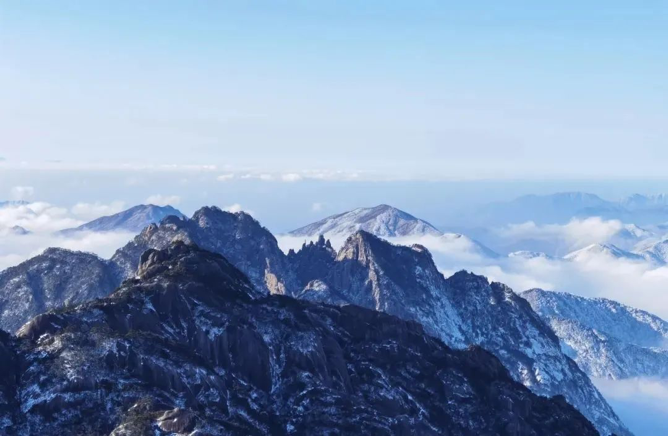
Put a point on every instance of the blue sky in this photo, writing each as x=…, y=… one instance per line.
x=422, y=89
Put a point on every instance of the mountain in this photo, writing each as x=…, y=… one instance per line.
x=559, y=208
x=132, y=220
x=14, y=231
x=50, y=280
x=607, y=339
x=655, y=251
x=642, y=202
x=464, y=309
x=188, y=348
x=602, y=252
x=237, y=236
x=383, y=221
x=540, y=209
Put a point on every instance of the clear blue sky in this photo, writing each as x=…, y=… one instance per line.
x=413, y=88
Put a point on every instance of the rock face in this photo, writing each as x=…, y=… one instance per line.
x=188, y=348
x=464, y=309
x=237, y=236
x=55, y=278
x=383, y=220
x=132, y=220
x=607, y=339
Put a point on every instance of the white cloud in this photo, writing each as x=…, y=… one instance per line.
x=317, y=207
x=37, y=217
x=90, y=211
x=576, y=234
x=22, y=192
x=163, y=200
x=291, y=177
x=236, y=207
x=225, y=177
x=18, y=248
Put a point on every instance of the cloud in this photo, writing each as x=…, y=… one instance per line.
x=236, y=207
x=22, y=192
x=576, y=234
x=163, y=200
x=291, y=177
x=641, y=403
x=225, y=177
x=317, y=207
x=90, y=211
x=38, y=217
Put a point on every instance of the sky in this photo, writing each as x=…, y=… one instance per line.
x=402, y=90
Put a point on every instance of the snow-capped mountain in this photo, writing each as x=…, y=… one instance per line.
x=383, y=221
x=655, y=251
x=51, y=280
x=596, y=252
x=638, y=201
x=463, y=309
x=132, y=220
x=607, y=339
x=186, y=348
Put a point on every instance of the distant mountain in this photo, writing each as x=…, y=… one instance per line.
x=602, y=252
x=15, y=231
x=607, y=339
x=186, y=348
x=132, y=220
x=540, y=209
x=560, y=208
x=655, y=251
x=644, y=202
x=383, y=221
x=55, y=278
x=463, y=309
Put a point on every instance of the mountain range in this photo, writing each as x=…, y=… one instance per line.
x=367, y=271
x=607, y=339
x=559, y=208
x=188, y=346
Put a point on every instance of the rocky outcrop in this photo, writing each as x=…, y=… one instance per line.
x=53, y=279
x=189, y=346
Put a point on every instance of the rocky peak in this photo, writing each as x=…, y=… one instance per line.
x=313, y=261
x=237, y=236
x=464, y=309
